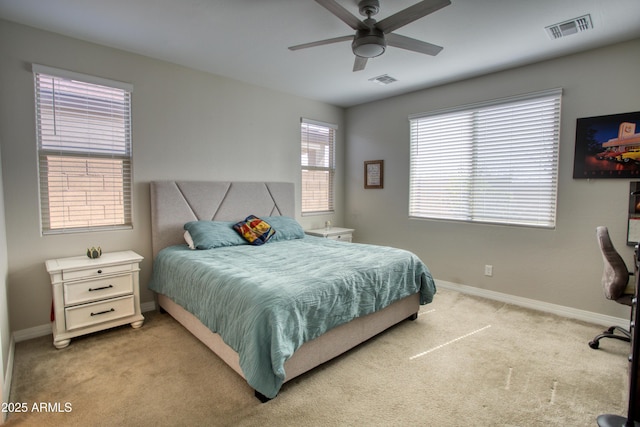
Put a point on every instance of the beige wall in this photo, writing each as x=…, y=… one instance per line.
x=561, y=266
x=186, y=125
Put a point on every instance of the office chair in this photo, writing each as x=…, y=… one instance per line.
x=615, y=279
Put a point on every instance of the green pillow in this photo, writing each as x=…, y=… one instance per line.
x=287, y=228
x=213, y=234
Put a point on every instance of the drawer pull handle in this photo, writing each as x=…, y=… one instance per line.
x=103, y=312
x=100, y=288
x=99, y=271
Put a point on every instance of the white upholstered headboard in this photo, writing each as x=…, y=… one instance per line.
x=173, y=203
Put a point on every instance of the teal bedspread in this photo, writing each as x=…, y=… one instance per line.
x=266, y=301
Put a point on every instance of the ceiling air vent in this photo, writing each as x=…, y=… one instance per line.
x=384, y=79
x=576, y=25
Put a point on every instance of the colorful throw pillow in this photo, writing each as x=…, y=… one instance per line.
x=254, y=230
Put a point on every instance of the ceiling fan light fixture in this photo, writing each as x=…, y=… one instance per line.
x=369, y=45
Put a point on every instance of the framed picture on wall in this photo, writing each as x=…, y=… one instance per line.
x=608, y=146
x=374, y=174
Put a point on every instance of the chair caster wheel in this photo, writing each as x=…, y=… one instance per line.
x=594, y=344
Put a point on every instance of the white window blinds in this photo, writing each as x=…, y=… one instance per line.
x=494, y=162
x=318, y=166
x=83, y=126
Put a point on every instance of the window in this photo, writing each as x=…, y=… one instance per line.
x=318, y=166
x=83, y=127
x=494, y=162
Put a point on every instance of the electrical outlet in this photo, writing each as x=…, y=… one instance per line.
x=488, y=270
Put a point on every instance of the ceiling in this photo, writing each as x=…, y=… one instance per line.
x=247, y=40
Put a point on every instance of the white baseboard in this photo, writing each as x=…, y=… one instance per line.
x=147, y=306
x=42, y=330
x=31, y=333
x=560, y=310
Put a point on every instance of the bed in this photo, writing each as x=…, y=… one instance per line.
x=268, y=310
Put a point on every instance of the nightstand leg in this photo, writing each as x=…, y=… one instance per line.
x=61, y=344
x=136, y=325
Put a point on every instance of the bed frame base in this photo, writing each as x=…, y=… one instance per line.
x=261, y=397
x=311, y=354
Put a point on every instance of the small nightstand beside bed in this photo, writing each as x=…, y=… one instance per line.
x=277, y=310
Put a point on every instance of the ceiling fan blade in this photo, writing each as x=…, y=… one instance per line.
x=410, y=14
x=408, y=43
x=342, y=13
x=360, y=63
x=321, y=42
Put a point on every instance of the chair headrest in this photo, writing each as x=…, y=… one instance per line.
x=615, y=276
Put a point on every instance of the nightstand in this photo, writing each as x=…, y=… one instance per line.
x=334, y=233
x=90, y=295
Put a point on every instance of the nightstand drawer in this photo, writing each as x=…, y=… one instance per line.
x=97, y=271
x=98, y=312
x=92, y=290
x=341, y=237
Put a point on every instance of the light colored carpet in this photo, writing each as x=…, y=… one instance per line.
x=466, y=361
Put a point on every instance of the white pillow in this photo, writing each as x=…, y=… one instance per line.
x=189, y=240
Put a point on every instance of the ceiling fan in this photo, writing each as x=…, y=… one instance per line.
x=372, y=37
